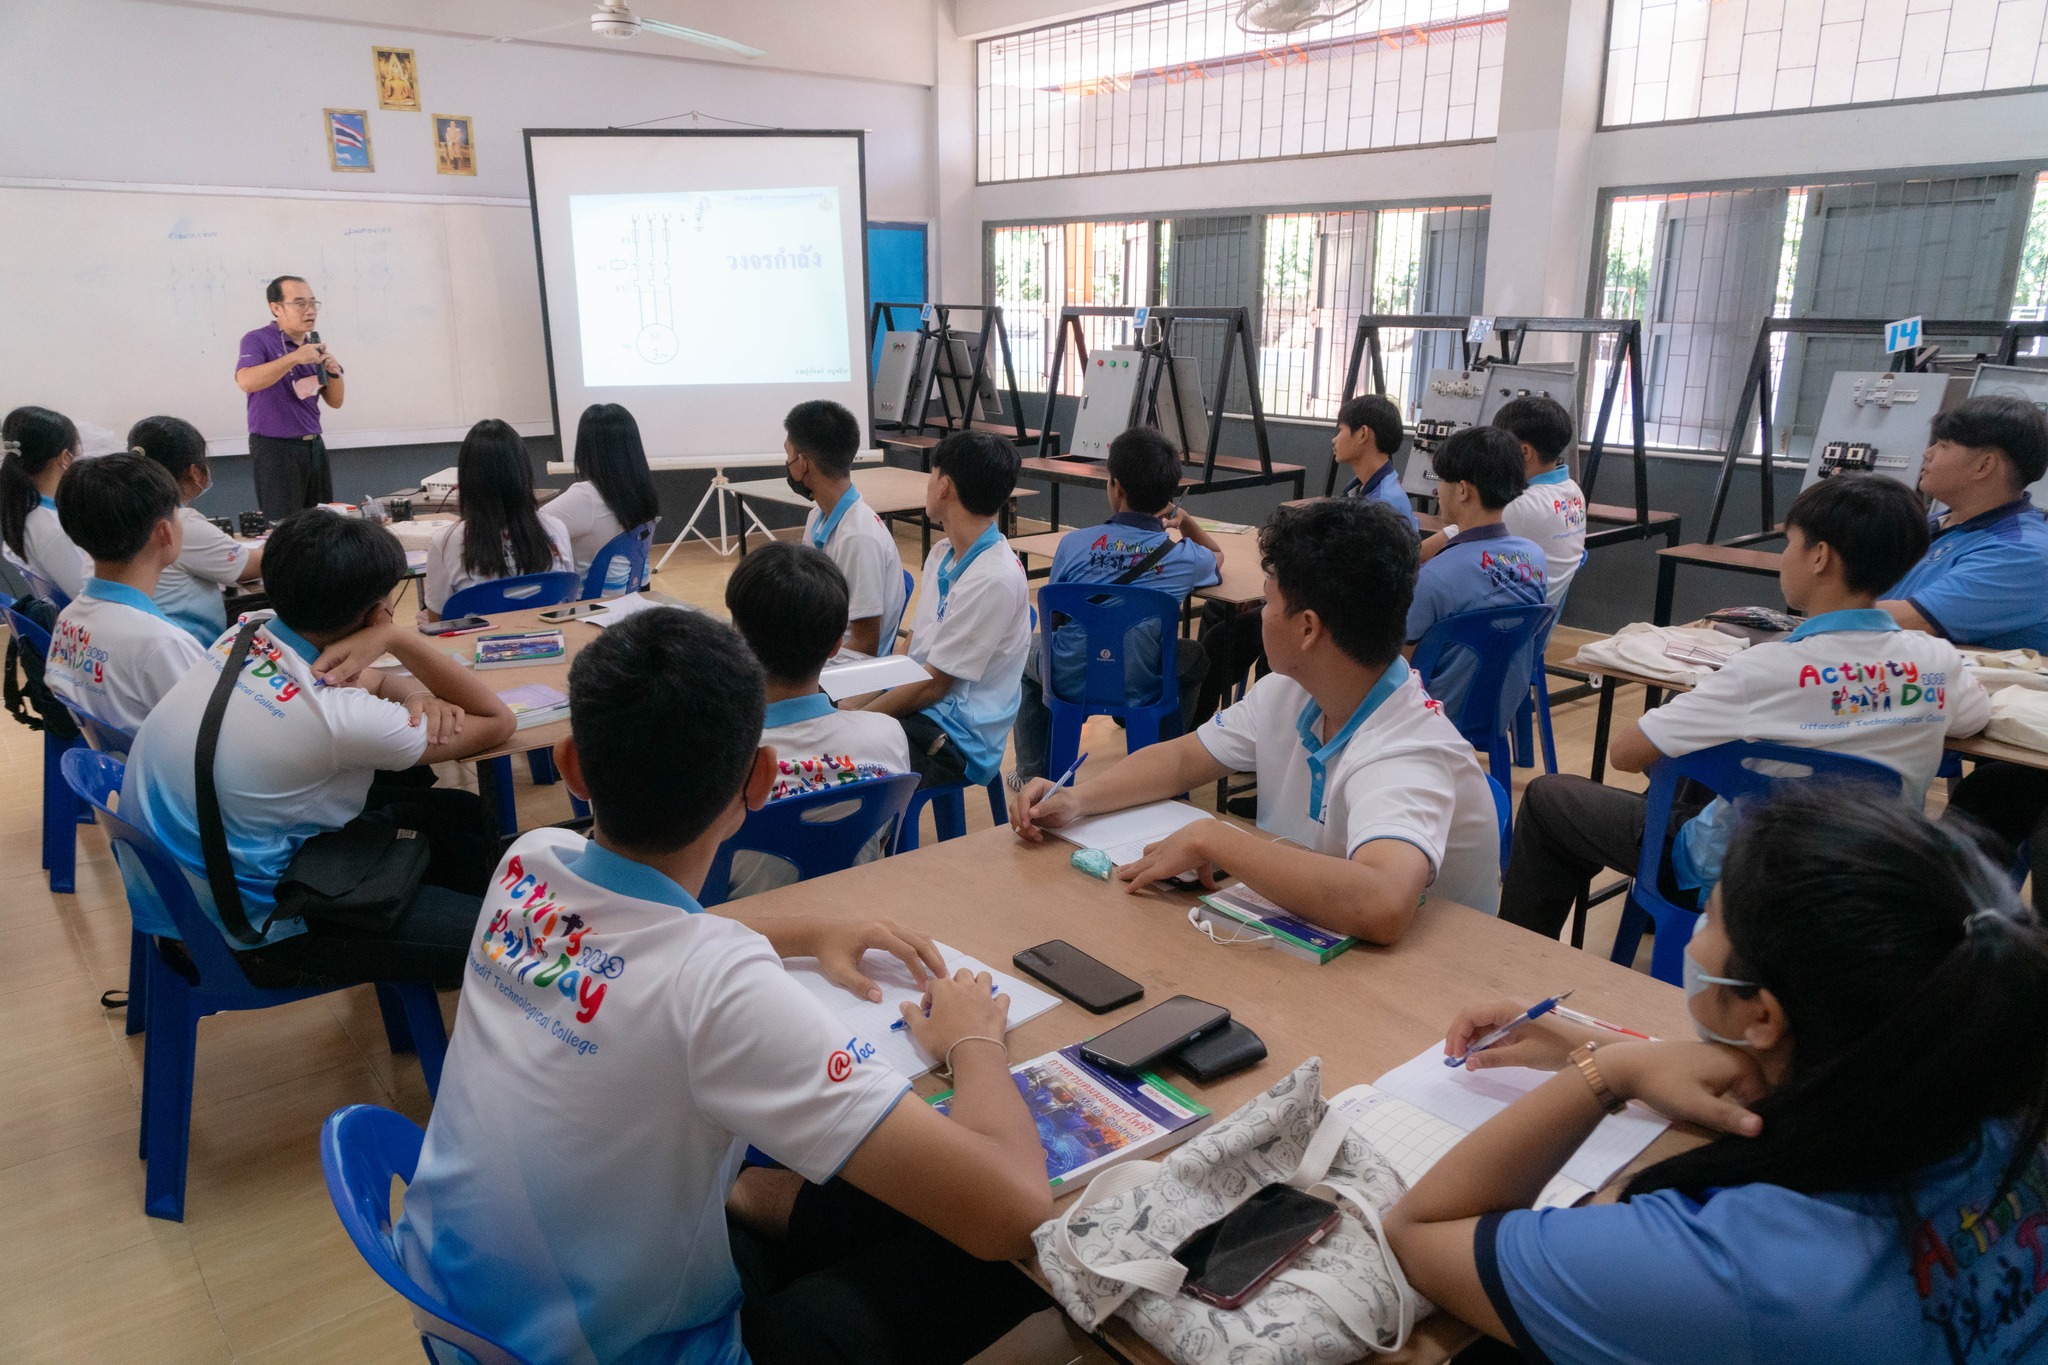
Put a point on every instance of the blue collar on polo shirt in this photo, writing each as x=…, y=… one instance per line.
x=109, y=591
x=284, y=634
x=2019, y=506
x=1557, y=475
x=1854, y=618
x=1376, y=478
x=1137, y=521
x=601, y=867
x=790, y=710
x=45, y=500
x=828, y=522
x=1320, y=758
x=1492, y=530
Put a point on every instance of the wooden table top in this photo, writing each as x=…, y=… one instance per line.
x=1738, y=557
x=991, y=894
x=885, y=488
x=1242, y=581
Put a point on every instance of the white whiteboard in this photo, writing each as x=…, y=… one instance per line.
x=116, y=304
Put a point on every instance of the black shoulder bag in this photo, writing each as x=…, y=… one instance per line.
x=1151, y=557
x=361, y=876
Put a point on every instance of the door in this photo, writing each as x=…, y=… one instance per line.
x=896, y=270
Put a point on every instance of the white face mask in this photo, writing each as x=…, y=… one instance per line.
x=1696, y=980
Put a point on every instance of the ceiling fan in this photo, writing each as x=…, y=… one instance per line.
x=1286, y=16
x=612, y=19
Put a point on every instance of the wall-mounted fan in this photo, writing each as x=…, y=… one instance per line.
x=1287, y=16
x=612, y=19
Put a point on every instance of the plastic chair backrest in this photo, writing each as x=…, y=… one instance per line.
x=28, y=633
x=513, y=594
x=107, y=739
x=1107, y=614
x=40, y=586
x=1503, y=816
x=818, y=832
x=362, y=1149
x=620, y=564
x=890, y=628
x=1500, y=637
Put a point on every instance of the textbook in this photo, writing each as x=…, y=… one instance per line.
x=514, y=649
x=1089, y=1120
x=873, y=1026
x=535, y=704
x=1243, y=909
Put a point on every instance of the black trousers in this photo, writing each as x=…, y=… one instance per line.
x=934, y=756
x=857, y=1283
x=430, y=939
x=1567, y=830
x=290, y=475
x=2008, y=801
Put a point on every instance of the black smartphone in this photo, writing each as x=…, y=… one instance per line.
x=1135, y=1044
x=460, y=625
x=574, y=612
x=1091, y=984
x=1228, y=1260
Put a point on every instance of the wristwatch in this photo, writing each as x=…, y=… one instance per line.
x=1582, y=1058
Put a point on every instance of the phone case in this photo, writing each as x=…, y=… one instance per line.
x=1220, y=1053
x=1098, y=1006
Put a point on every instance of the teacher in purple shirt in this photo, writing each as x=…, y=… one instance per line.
x=286, y=372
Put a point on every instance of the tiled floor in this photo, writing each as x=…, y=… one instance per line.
x=260, y=1270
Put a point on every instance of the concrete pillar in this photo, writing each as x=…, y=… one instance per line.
x=956, y=226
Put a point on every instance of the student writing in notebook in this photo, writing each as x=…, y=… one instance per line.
x=1872, y=1006
x=1376, y=796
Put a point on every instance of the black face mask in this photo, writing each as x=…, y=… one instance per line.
x=796, y=485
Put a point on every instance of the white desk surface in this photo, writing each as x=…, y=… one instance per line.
x=669, y=463
x=887, y=489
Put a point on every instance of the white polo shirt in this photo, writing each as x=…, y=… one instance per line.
x=978, y=631
x=447, y=576
x=51, y=553
x=819, y=746
x=114, y=654
x=1552, y=513
x=856, y=538
x=1849, y=682
x=294, y=760
x=588, y=519
x=615, y=1052
x=190, y=590
x=1396, y=770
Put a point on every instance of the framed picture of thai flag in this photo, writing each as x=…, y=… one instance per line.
x=348, y=139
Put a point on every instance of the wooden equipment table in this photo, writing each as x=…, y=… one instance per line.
x=891, y=491
x=1735, y=558
x=1242, y=581
x=1364, y=1013
x=1232, y=472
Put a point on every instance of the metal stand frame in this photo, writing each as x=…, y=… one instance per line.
x=720, y=490
x=936, y=329
x=1756, y=392
x=1512, y=332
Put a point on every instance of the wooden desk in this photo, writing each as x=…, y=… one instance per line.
x=1363, y=1014
x=891, y=491
x=1734, y=558
x=1231, y=471
x=1241, y=583
x=1980, y=748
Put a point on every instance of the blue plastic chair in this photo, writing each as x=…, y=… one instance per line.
x=818, y=832
x=1732, y=771
x=949, y=811
x=1535, y=708
x=1504, y=816
x=115, y=743
x=362, y=1148
x=1106, y=614
x=62, y=814
x=170, y=909
x=521, y=593
x=1501, y=637
x=898, y=635
x=620, y=565
x=40, y=586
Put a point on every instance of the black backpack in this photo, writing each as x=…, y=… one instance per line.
x=21, y=678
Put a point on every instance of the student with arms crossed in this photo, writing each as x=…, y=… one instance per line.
x=1375, y=797
x=36, y=447
x=613, y=492
x=1367, y=439
x=1873, y=1009
x=617, y=1050
x=1479, y=473
x=1144, y=474
x=820, y=443
x=114, y=653
x=313, y=737
x=1849, y=681
x=972, y=630
x=502, y=534
x=190, y=590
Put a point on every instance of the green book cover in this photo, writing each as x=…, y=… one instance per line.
x=1241, y=905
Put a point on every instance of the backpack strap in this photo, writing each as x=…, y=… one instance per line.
x=213, y=834
x=1139, y=569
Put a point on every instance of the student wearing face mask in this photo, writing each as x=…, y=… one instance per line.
x=1872, y=1004
x=820, y=442
x=190, y=591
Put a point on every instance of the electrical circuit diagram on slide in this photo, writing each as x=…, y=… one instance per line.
x=711, y=287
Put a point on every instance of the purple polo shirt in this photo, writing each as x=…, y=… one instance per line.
x=276, y=412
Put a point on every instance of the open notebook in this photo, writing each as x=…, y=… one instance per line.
x=1413, y=1140
x=868, y=1022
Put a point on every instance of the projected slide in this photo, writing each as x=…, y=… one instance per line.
x=711, y=287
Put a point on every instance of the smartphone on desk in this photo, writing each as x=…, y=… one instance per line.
x=1137, y=1043
x=1229, y=1260
x=460, y=625
x=1094, y=986
x=574, y=612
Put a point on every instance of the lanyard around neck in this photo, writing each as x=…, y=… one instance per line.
x=1321, y=756
x=949, y=573
x=830, y=523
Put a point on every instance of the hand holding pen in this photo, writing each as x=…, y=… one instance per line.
x=1505, y=1033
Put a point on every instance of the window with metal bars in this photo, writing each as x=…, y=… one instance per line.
x=1034, y=270
x=1674, y=60
x=1703, y=269
x=1181, y=83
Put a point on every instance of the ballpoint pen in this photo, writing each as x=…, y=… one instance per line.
x=1540, y=1008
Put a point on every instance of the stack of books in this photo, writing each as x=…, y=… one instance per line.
x=1242, y=915
x=535, y=704
x=514, y=649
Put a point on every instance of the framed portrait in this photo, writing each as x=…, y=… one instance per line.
x=454, y=149
x=348, y=139
x=398, y=78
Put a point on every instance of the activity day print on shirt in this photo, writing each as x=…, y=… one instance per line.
x=543, y=946
x=1505, y=568
x=1980, y=1270
x=1859, y=688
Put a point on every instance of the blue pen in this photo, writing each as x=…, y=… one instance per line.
x=1540, y=1008
x=899, y=1025
x=1068, y=775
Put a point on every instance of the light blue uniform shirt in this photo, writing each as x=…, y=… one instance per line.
x=1484, y=567
x=1102, y=554
x=1385, y=486
x=1759, y=1273
x=1985, y=581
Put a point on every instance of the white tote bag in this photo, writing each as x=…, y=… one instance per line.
x=1342, y=1299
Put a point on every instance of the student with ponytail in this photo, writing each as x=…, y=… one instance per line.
x=1873, y=1007
x=39, y=445
x=190, y=591
x=501, y=533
